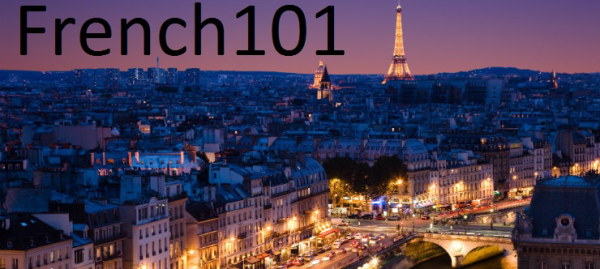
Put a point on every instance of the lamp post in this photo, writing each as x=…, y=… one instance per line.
x=413, y=222
x=492, y=218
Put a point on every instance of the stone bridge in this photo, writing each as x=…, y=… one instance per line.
x=458, y=246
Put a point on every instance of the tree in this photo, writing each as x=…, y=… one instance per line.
x=387, y=169
x=339, y=167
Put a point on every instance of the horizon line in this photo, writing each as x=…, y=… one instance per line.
x=294, y=73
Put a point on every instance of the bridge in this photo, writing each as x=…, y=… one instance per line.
x=462, y=249
x=459, y=246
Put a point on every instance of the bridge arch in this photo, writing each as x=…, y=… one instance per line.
x=459, y=246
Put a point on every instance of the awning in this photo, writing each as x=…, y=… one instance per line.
x=252, y=260
x=328, y=233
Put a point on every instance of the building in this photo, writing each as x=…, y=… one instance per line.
x=101, y=223
x=27, y=242
x=318, y=76
x=192, y=76
x=202, y=235
x=460, y=177
x=561, y=228
x=312, y=194
x=146, y=223
x=325, y=91
x=240, y=224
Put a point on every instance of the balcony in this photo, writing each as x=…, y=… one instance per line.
x=269, y=206
x=108, y=257
x=108, y=239
x=241, y=236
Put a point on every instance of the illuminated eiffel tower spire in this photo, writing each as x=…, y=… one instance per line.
x=399, y=68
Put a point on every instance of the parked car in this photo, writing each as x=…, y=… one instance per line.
x=380, y=217
x=307, y=258
x=393, y=218
x=298, y=262
x=367, y=216
x=326, y=247
x=331, y=254
x=341, y=251
x=353, y=216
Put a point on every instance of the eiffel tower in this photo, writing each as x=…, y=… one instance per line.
x=399, y=68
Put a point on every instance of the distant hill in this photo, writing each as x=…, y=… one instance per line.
x=498, y=71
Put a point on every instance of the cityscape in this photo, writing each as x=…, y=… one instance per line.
x=169, y=168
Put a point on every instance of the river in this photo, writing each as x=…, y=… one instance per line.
x=443, y=262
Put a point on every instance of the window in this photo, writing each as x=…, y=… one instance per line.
x=565, y=265
x=15, y=263
x=590, y=265
x=78, y=256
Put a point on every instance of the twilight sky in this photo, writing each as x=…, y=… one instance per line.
x=440, y=35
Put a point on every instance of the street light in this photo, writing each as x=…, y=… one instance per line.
x=413, y=222
x=492, y=218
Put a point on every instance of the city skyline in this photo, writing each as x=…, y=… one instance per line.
x=542, y=36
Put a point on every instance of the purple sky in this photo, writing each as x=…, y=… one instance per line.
x=440, y=35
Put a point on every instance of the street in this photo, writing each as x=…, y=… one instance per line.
x=391, y=227
x=341, y=260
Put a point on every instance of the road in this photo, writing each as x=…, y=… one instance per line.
x=349, y=257
x=391, y=227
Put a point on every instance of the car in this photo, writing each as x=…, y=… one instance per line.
x=381, y=236
x=353, y=216
x=298, y=262
x=362, y=247
x=320, y=250
x=349, y=237
x=393, y=218
x=338, y=243
x=330, y=254
x=344, y=224
x=307, y=258
x=326, y=247
x=340, y=251
x=367, y=216
x=425, y=217
x=380, y=217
